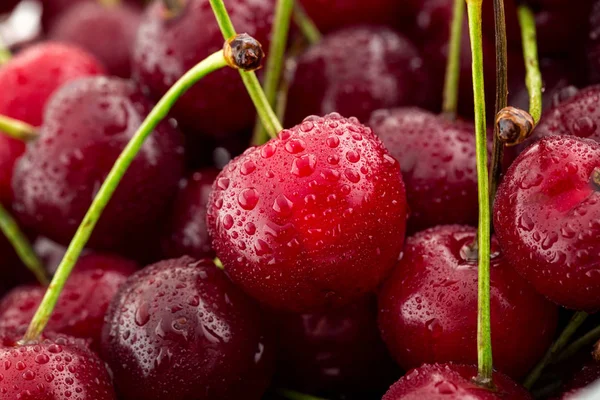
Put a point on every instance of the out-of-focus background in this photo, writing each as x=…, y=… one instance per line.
x=22, y=25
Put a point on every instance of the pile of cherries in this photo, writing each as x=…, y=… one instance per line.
x=330, y=261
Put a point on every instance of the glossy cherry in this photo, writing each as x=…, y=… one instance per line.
x=108, y=32
x=52, y=369
x=186, y=232
x=82, y=304
x=86, y=126
x=167, y=46
x=328, y=77
x=333, y=352
x=547, y=219
x=311, y=219
x=428, y=306
x=179, y=329
x=452, y=382
x=27, y=81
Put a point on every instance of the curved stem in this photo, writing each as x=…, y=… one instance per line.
x=263, y=108
x=533, y=78
x=501, y=96
x=484, y=339
x=306, y=24
x=586, y=340
x=275, y=60
x=159, y=112
x=453, y=65
x=293, y=395
x=21, y=244
x=560, y=343
x=17, y=129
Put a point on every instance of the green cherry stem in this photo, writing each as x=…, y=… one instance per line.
x=17, y=129
x=484, y=339
x=21, y=244
x=306, y=24
x=452, y=78
x=275, y=60
x=293, y=395
x=533, y=78
x=263, y=108
x=586, y=340
x=5, y=53
x=210, y=64
x=576, y=320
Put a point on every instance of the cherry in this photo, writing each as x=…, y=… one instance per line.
x=546, y=217
x=452, y=381
x=87, y=124
x=428, y=306
x=332, y=352
x=27, y=81
x=585, y=376
x=59, y=367
x=180, y=330
x=186, y=232
x=593, y=45
x=168, y=46
x=106, y=32
x=311, y=219
x=53, y=9
x=328, y=78
x=83, y=302
x=437, y=160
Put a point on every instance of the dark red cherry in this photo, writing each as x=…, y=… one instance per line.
x=329, y=79
x=52, y=369
x=452, y=382
x=333, y=352
x=179, y=329
x=186, y=232
x=53, y=9
x=593, y=44
x=437, y=160
x=582, y=378
x=168, y=46
x=86, y=126
x=108, y=32
x=428, y=306
x=311, y=219
x=547, y=218
x=82, y=304
x=27, y=81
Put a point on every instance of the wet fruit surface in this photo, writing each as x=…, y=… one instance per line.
x=311, y=219
x=86, y=126
x=180, y=330
x=428, y=306
x=546, y=216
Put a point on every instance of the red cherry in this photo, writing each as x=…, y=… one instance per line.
x=106, y=32
x=180, y=330
x=312, y=219
x=547, y=219
x=186, y=232
x=167, y=47
x=329, y=79
x=57, y=368
x=53, y=9
x=428, y=306
x=452, y=382
x=86, y=126
x=437, y=160
x=82, y=304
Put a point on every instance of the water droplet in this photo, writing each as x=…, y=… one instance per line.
x=333, y=141
x=331, y=175
x=42, y=358
x=247, y=199
x=227, y=221
x=353, y=156
x=248, y=167
x=295, y=146
x=262, y=248
x=282, y=205
x=223, y=183
x=250, y=228
x=268, y=150
x=142, y=315
x=352, y=175
x=445, y=387
x=525, y=222
x=285, y=134
x=305, y=165
x=306, y=126
x=584, y=127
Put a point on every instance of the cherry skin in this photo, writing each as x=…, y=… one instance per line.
x=333, y=352
x=593, y=44
x=27, y=81
x=82, y=304
x=52, y=369
x=186, y=232
x=86, y=126
x=53, y=9
x=179, y=329
x=108, y=32
x=546, y=217
x=452, y=382
x=167, y=46
x=436, y=158
x=312, y=219
x=328, y=78
x=428, y=306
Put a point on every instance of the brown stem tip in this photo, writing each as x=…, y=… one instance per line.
x=514, y=125
x=243, y=52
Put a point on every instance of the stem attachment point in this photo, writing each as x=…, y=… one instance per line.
x=243, y=52
x=514, y=126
